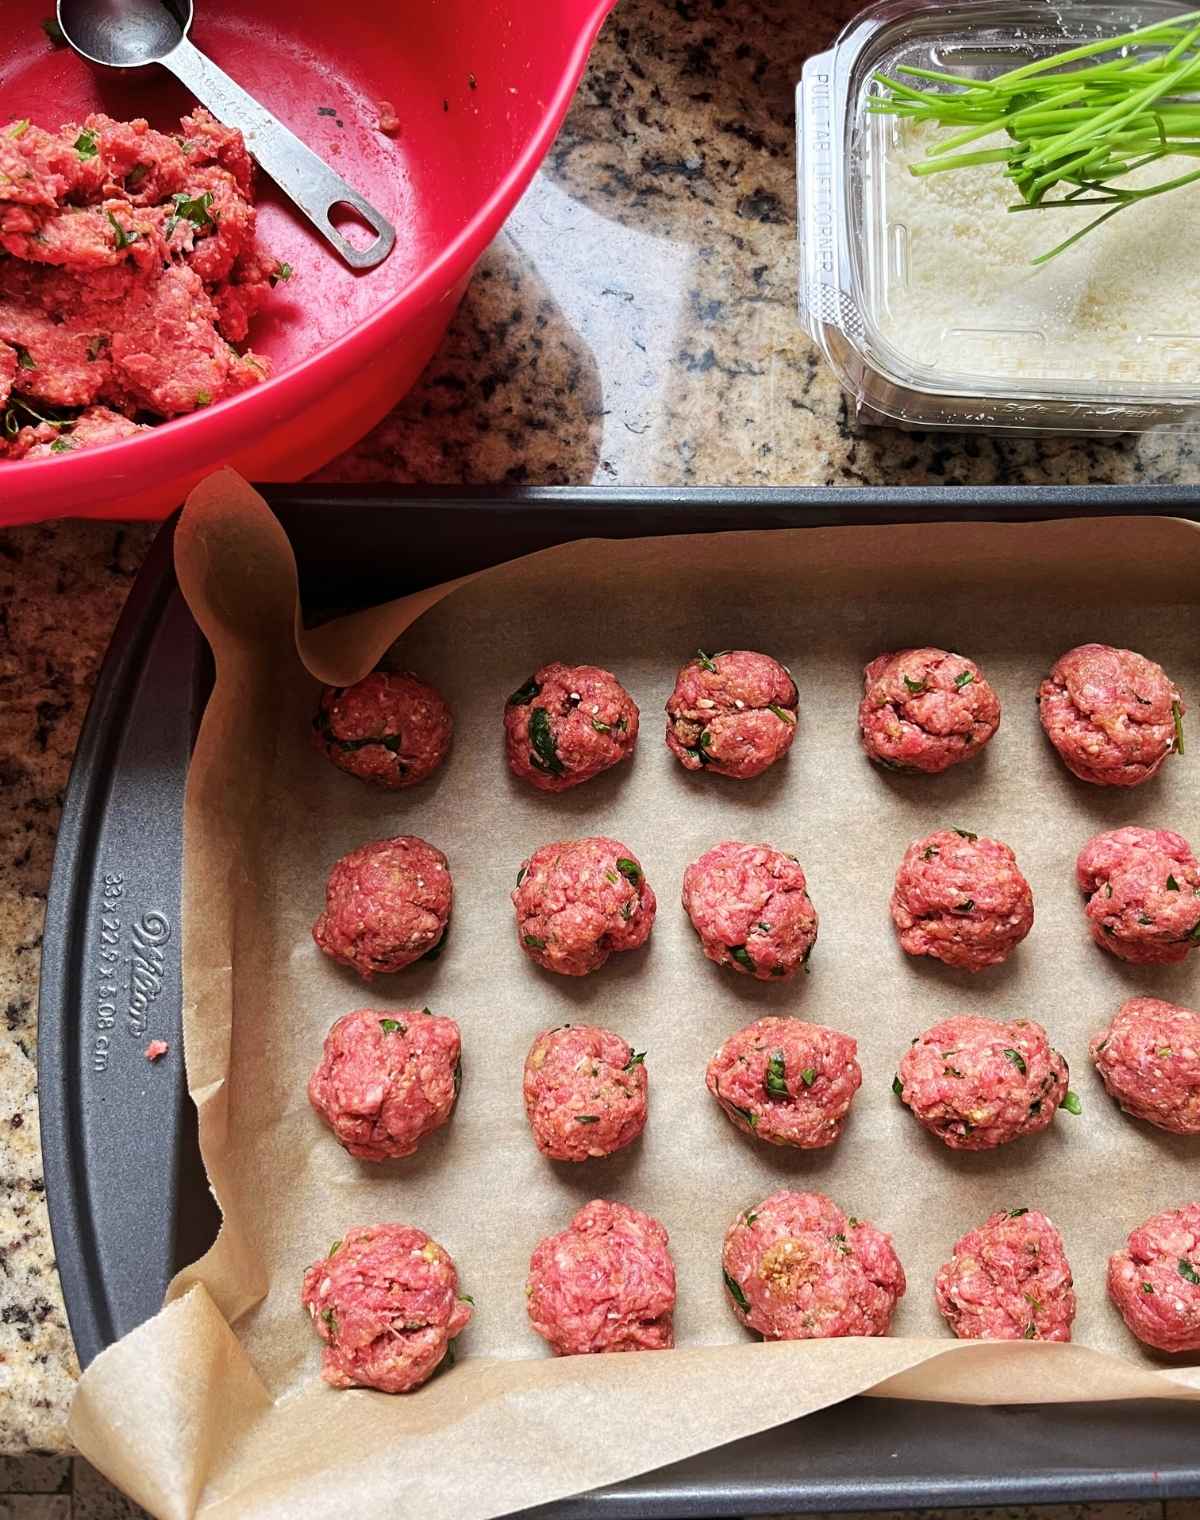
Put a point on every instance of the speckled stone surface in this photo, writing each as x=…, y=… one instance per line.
x=635, y=323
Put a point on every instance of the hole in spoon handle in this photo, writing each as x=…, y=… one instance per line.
x=376, y=234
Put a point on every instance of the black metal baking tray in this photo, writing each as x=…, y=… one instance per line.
x=126, y=1190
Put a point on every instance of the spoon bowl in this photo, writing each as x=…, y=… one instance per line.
x=124, y=34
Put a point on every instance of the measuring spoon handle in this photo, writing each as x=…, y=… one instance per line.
x=303, y=176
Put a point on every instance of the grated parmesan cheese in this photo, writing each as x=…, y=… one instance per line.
x=960, y=294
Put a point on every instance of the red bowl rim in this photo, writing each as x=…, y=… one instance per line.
x=179, y=446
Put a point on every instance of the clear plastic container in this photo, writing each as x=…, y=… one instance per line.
x=929, y=313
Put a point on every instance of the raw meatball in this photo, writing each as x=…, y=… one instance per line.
x=749, y=904
x=1114, y=716
x=1143, y=890
x=977, y=1083
x=1155, y=1280
x=567, y=724
x=925, y=710
x=387, y=904
x=579, y=900
x=585, y=1092
x=385, y=1302
x=733, y=713
x=796, y=1268
x=386, y=1080
x=786, y=1082
x=389, y=728
x=961, y=899
x=605, y=1283
x=1008, y=1281
x=1149, y=1060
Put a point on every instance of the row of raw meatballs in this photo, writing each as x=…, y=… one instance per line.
x=386, y=1304
x=1113, y=715
x=957, y=897
x=385, y=1080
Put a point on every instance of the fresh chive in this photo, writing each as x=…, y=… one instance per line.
x=1017, y=1059
x=782, y=713
x=1172, y=884
x=334, y=1248
x=524, y=695
x=587, y=1118
x=742, y=956
x=915, y=687
x=1031, y=1331
x=776, y=1078
x=124, y=235
x=281, y=274
x=522, y=874
x=1072, y=1104
x=808, y=1076
x=1147, y=1287
x=744, y=1113
x=61, y=446
x=966, y=834
x=749, y=1217
x=965, y=906
x=704, y=662
x=25, y=359
x=1016, y=1213
x=393, y=1026
x=1188, y=1272
x=638, y=1058
x=1177, y=715
x=330, y=1321
x=85, y=144
x=630, y=870
x=465, y=1298
x=1081, y=129
x=545, y=755
x=897, y=1085
x=458, y=1076
x=929, y=852
x=601, y=728
x=964, y=679
x=189, y=208
x=735, y=1292
x=534, y=943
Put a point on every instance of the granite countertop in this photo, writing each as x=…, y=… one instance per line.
x=634, y=323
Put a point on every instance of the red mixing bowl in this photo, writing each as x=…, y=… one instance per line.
x=480, y=88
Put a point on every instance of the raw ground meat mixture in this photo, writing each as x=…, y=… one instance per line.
x=976, y=1083
x=749, y=904
x=961, y=899
x=585, y=1092
x=1155, y=1280
x=579, y=900
x=1008, y=1281
x=925, y=710
x=1149, y=1060
x=1113, y=715
x=605, y=1283
x=567, y=724
x=386, y=1080
x=386, y=1304
x=797, y=1268
x=387, y=904
x=733, y=713
x=390, y=728
x=128, y=270
x=786, y=1082
x=1143, y=891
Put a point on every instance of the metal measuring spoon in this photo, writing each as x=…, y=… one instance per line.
x=127, y=34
